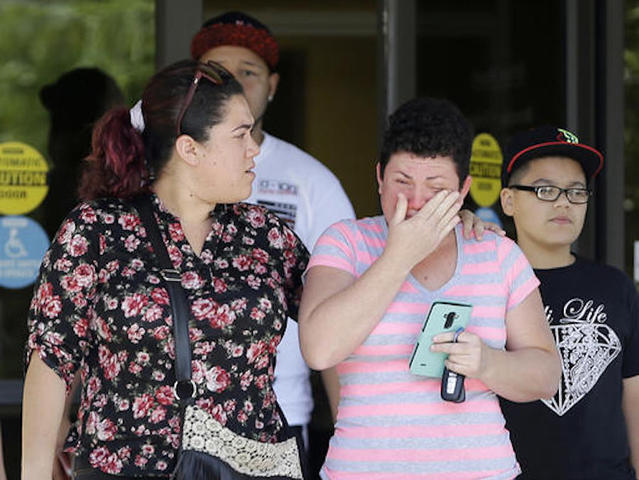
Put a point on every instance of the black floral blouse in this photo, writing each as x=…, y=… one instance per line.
x=100, y=307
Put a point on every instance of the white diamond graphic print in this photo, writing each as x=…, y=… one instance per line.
x=586, y=350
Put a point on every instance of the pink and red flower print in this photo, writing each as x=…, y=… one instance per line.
x=132, y=305
x=77, y=246
x=164, y=395
x=192, y=280
x=102, y=459
x=52, y=306
x=242, y=262
x=160, y=296
x=142, y=405
x=217, y=379
x=129, y=221
x=275, y=238
x=256, y=217
x=221, y=317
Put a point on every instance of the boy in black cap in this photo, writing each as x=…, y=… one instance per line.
x=590, y=428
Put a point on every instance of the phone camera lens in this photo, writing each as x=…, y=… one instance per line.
x=450, y=317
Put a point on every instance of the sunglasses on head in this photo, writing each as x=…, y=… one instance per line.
x=207, y=71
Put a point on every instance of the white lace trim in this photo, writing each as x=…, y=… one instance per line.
x=203, y=433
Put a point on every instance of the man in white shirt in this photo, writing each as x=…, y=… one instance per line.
x=288, y=181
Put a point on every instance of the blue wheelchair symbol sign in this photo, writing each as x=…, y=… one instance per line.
x=23, y=243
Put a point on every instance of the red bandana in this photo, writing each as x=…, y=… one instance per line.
x=239, y=34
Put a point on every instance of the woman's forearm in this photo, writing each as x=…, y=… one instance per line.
x=529, y=369
x=331, y=329
x=523, y=375
x=42, y=407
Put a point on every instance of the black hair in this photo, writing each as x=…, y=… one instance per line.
x=519, y=170
x=123, y=161
x=429, y=127
x=164, y=97
x=235, y=17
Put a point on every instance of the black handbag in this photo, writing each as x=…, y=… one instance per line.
x=209, y=450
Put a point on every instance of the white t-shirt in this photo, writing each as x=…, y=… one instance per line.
x=306, y=194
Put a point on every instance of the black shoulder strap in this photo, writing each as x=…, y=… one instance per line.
x=180, y=312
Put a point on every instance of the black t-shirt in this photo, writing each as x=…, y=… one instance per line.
x=580, y=434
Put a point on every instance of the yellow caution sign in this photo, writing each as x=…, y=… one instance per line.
x=485, y=168
x=23, y=178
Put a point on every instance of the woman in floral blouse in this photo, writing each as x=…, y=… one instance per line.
x=100, y=308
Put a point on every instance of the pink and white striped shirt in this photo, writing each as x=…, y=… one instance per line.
x=394, y=425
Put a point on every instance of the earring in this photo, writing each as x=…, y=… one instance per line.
x=270, y=98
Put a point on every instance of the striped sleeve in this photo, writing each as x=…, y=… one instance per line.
x=336, y=248
x=518, y=274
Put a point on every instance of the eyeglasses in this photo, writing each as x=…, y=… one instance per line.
x=550, y=193
x=211, y=75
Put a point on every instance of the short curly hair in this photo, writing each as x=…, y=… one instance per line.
x=429, y=127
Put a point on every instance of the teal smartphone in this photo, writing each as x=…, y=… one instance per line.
x=442, y=317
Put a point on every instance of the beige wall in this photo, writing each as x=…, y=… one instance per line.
x=341, y=115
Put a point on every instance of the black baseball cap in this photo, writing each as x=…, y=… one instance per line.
x=549, y=141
